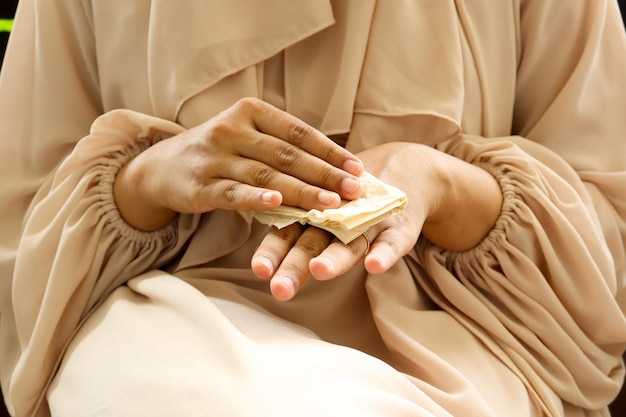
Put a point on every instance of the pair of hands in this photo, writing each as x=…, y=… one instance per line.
x=290, y=257
x=253, y=156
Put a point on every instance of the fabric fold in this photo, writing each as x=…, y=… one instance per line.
x=553, y=333
x=226, y=40
x=75, y=214
x=400, y=97
x=322, y=73
x=532, y=307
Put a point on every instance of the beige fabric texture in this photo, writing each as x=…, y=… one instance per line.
x=98, y=318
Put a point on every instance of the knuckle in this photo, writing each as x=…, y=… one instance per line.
x=299, y=133
x=328, y=153
x=201, y=199
x=247, y=103
x=222, y=129
x=287, y=156
x=326, y=175
x=311, y=247
x=230, y=192
x=391, y=245
x=262, y=176
x=269, y=251
x=290, y=234
x=301, y=192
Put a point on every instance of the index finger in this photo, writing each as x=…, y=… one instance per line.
x=277, y=123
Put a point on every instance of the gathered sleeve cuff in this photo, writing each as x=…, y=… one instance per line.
x=540, y=289
x=76, y=247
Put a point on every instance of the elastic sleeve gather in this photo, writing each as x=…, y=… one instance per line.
x=540, y=288
x=105, y=180
x=76, y=248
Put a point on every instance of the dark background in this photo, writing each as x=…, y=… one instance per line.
x=7, y=10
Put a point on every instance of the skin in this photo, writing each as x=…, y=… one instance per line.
x=253, y=156
x=453, y=203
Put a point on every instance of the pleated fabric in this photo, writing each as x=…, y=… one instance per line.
x=98, y=318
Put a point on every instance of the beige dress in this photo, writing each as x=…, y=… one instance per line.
x=100, y=319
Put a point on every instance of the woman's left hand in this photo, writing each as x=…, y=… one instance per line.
x=289, y=257
x=452, y=202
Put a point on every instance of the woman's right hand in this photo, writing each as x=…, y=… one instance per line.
x=252, y=156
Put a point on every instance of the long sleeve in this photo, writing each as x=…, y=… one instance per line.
x=63, y=243
x=36, y=135
x=69, y=66
x=539, y=101
x=540, y=289
x=540, y=105
x=571, y=98
x=84, y=249
x=546, y=282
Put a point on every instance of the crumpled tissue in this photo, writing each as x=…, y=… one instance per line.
x=351, y=218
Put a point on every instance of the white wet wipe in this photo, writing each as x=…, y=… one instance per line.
x=348, y=221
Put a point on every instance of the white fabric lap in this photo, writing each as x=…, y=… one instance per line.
x=160, y=347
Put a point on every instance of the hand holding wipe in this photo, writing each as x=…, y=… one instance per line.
x=351, y=219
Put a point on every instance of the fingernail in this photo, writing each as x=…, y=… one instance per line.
x=328, y=198
x=382, y=262
x=267, y=264
x=288, y=283
x=283, y=288
x=330, y=266
x=268, y=196
x=350, y=185
x=353, y=167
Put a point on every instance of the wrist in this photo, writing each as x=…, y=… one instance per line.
x=467, y=205
x=132, y=191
